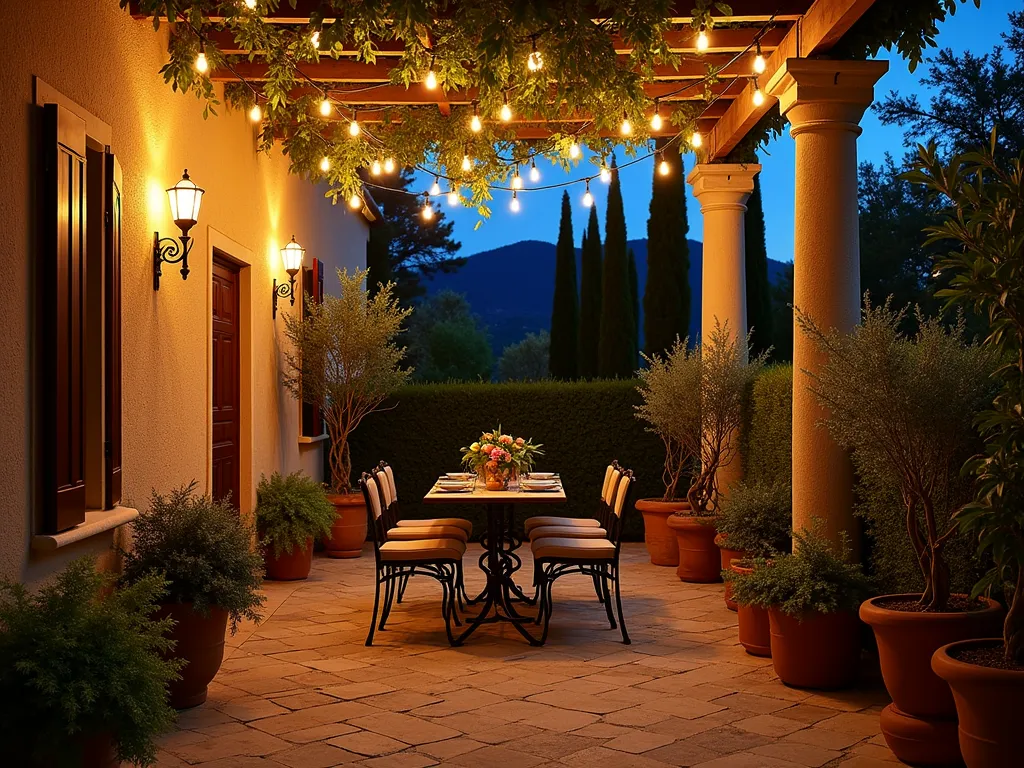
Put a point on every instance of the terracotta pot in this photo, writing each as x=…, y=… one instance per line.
x=699, y=559
x=754, y=630
x=988, y=703
x=661, y=542
x=920, y=724
x=349, y=530
x=93, y=751
x=728, y=555
x=816, y=650
x=289, y=566
x=199, y=640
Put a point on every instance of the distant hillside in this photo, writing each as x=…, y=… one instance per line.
x=511, y=288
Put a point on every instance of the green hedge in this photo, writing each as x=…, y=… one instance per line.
x=768, y=447
x=583, y=426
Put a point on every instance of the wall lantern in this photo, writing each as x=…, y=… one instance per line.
x=291, y=255
x=185, y=198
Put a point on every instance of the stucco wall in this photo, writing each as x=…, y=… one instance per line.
x=96, y=55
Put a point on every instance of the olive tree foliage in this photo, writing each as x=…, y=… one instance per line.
x=905, y=405
x=344, y=358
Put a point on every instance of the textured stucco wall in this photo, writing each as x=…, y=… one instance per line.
x=96, y=55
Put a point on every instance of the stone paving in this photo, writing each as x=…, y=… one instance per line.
x=302, y=691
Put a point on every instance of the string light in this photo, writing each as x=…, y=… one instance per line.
x=256, y=114
x=428, y=209
x=474, y=123
x=663, y=166
x=627, y=127
x=355, y=202
x=606, y=175
x=506, y=110
x=314, y=39
x=389, y=165
x=250, y=4
x=758, y=95
x=353, y=127
x=588, y=199
x=325, y=106
x=534, y=173
x=759, y=63
x=514, y=204
x=696, y=139
x=375, y=168
x=535, y=62
x=702, y=39
x=574, y=151
x=656, y=118
x=325, y=164
x=430, y=81
x=453, y=198
x=202, y=65
x=435, y=188
x=517, y=180
x=467, y=164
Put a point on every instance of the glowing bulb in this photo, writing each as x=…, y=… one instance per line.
x=656, y=120
x=535, y=62
x=574, y=150
x=606, y=175
x=435, y=188
x=250, y=4
x=375, y=168
x=534, y=173
x=353, y=128
x=467, y=164
x=758, y=96
x=474, y=124
x=201, y=63
x=696, y=139
x=702, y=40
x=256, y=114
x=325, y=164
x=663, y=167
x=428, y=211
x=430, y=81
x=325, y=107
x=517, y=180
x=355, y=202
x=506, y=112
x=627, y=127
x=389, y=165
x=453, y=198
x=514, y=204
x=759, y=64
x=314, y=39
x=588, y=199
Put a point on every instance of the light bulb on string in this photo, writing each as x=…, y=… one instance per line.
x=375, y=168
x=758, y=96
x=202, y=65
x=605, y=174
x=588, y=199
x=435, y=188
x=250, y=4
x=314, y=39
x=759, y=63
x=514, y=204
x=474, y=122
x=506, y=111
x=574, y=151
x=430, y=80
x=256, y=113
x=535, y=62
x=453, y=198
x=325, y=164
x=696, y=139
x=663, y=167
x=517, y=180
x=467, y=164
x=656, y=117
x=626, y=128
x=325, y=106
x=389, y=165
x=428, y=209
x=534, y=172
x=353, y=127
x=702, y=39
x=355, y=202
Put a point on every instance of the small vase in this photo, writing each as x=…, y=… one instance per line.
x=495, y=479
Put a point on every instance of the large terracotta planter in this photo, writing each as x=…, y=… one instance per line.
x=754, y=629
x=94, y=751
x=289, y=566
x=199, y=640
x=920, y=725
x=816, y=650
x=660, y=541
x=349, y=530
x=988, y=703
x=700, y=562
x=728, y=555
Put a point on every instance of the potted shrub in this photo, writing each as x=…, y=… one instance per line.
x=291, y=510
x=812, y=597
x=904, y=405
x=344, y=360
x=697, y=398
x=205, y=552
x=84, y=679
x=982, y=221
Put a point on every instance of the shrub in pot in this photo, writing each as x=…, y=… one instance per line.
x=905, y=405
x=291, y=510
x=984, y=197
x=696, y=396
x=84, y=675
x=344, y=360
x=204, y=551
x=811, y=597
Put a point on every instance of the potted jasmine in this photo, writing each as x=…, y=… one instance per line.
x=904, y=405
x=291, y=510
x=345, y=360
x=204, y=551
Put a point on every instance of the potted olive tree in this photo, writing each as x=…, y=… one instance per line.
x=344, y=360
x=984, y=198
x=204, y=551
x=811, y=597
x=84, y=678
x=291, y=510
x=904, y=405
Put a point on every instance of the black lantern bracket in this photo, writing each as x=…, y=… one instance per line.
x=284, y=291
x=168, y=250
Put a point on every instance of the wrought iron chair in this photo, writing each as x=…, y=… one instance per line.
x=441, y=559
x=598, y=558
x=456, y=522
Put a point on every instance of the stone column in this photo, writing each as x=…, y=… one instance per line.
x=722, y=191
x=823, y=101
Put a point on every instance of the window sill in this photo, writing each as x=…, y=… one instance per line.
x=303, y=440
x=96, y=521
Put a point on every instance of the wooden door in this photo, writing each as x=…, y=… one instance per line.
x=226, y=461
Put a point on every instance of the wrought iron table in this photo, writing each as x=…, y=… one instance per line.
x=499, y=561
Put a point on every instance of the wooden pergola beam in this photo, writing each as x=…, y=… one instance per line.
x=824, y=23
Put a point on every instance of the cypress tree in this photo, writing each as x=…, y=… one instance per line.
x=590, y=298
x=667, y=294
x=378, y=258
x=634, y=295
x=563, y=360
x=618, y=333
x=759, y=290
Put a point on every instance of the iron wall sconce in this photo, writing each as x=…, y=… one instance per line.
x=291, y=255
x=184, y=198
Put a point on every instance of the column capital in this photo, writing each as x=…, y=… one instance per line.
x=723, y=186
x=825, y=94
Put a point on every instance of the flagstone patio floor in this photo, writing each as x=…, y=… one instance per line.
x=302, y=691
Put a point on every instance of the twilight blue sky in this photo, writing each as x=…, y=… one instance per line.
x=970, y=29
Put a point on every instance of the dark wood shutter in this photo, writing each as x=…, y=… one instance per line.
x=61, y=306
x=313, y=289
x=112, y=334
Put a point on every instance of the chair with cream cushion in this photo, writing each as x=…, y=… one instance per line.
x=598, y=558
x=435, y=522
x=569, y=525
x=395, y=561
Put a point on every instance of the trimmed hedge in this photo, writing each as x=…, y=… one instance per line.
x=583, y=426
x=768, y=453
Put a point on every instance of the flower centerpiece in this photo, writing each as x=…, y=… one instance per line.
x=500, y=458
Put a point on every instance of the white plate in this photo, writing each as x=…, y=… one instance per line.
x=453, y=484
x=541, y=476
x=541, y=488
x=454, y=489
x=459, y=475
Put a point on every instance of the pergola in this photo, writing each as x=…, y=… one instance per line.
x=823, y=100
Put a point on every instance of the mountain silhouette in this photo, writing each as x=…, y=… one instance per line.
x=511, y=288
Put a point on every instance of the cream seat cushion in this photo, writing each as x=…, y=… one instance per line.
x=410, y=533
x=456, y=522
x=423, y=549
x=568, y=532
x=571, y=549
x=537, y=522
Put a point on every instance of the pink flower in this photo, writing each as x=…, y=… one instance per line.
x=520, y=442
x=488, y=435
x=506, y=439
x=486, y=448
